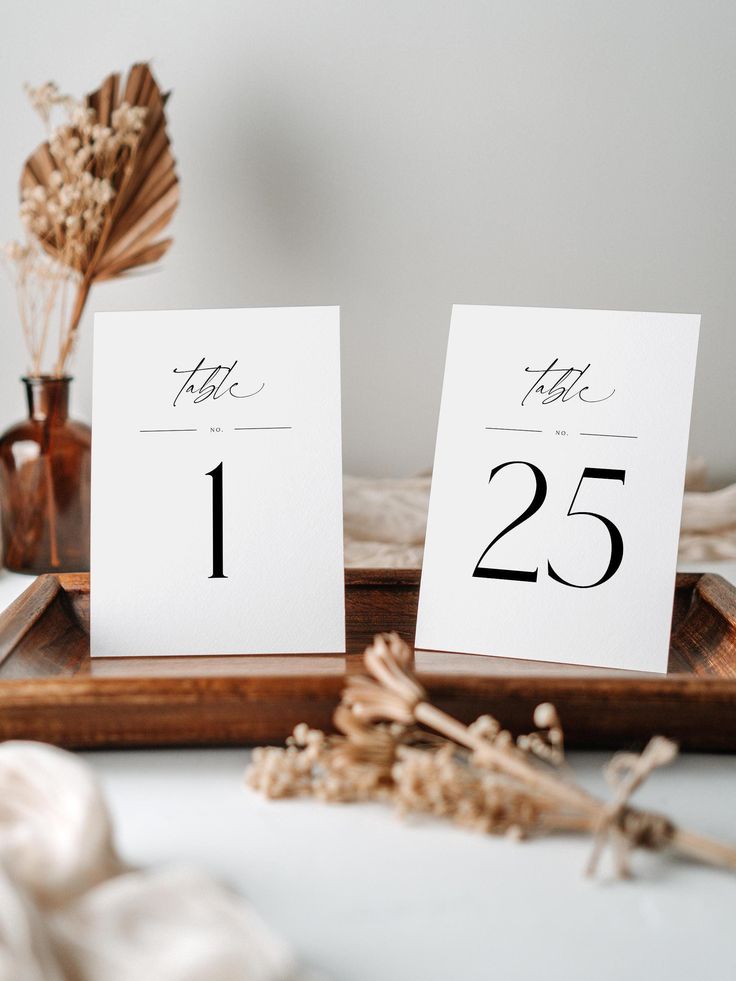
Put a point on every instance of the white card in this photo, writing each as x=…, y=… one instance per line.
x=547, y=415
x=217, y=483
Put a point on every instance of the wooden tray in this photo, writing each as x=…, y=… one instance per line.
x=50, y=690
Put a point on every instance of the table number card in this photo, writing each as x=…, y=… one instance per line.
x=217, y=483
x=557, y=486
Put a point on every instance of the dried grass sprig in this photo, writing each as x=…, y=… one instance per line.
x=394, y=745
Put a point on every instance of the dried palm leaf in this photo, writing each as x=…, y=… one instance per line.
x=145, y=186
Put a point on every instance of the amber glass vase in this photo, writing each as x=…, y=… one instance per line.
x=45, y=484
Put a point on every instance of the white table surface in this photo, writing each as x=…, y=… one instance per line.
x=363, y=896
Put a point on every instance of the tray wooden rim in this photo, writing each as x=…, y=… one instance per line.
x=67, y=708
x=48, y=586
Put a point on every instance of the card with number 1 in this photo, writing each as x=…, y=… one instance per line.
x=557, y=485
x=217, y=483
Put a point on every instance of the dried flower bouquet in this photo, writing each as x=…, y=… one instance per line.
x=395, y=746
x=94, y=198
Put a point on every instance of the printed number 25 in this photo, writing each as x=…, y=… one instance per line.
x=540, y=493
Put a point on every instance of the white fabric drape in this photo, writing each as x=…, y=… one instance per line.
x=71, y=911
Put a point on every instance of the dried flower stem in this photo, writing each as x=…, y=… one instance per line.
x=630, y=825
x=508, y=761
x=69, y=335
x=477, y=775
x=593, y=813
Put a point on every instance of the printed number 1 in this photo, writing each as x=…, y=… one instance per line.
x=216, y=475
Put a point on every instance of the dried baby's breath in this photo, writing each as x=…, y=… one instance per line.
x=331, y=768
x=443, y=783
x=70, y=210
x=393, y=745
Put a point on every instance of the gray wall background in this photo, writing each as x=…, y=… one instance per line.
x=396, y=157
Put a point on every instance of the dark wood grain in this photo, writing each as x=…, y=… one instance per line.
x=50, y=690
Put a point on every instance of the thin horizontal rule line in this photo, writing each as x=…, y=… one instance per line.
x=241, y=429
x=610, y=435
x=167, y=430
x=511, y=429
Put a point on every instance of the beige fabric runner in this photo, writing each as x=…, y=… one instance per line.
x=385, y=520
